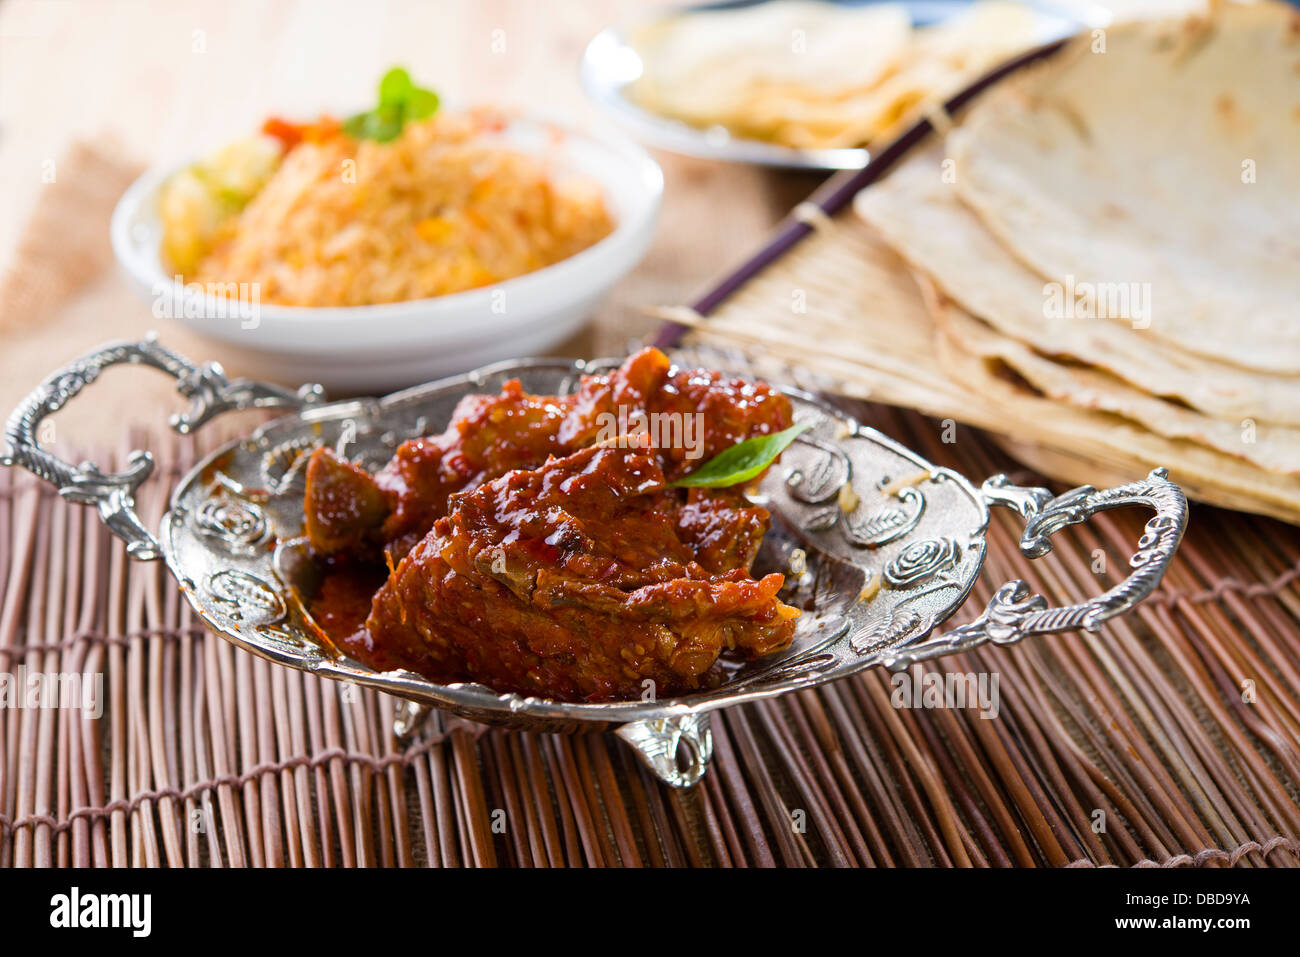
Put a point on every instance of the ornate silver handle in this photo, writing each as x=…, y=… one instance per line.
x=208, y=390
x=1014, y=613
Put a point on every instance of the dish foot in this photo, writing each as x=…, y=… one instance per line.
x=677, y=749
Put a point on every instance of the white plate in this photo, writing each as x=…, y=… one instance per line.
x=610, y=65
x=385, y=347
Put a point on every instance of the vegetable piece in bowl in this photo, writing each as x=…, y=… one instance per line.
x=196, y=202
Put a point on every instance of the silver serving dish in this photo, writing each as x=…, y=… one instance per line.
x=610, y=65
x=879, y=546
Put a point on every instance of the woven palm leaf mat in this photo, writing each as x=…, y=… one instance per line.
x=1169, y=739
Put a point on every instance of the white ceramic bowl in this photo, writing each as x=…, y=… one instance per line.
x=385, y=347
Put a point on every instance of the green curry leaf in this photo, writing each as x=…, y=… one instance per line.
x=742, y=462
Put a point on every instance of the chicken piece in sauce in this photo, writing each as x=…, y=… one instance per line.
x=580, y=581
x=590, y=582
x=490, y=435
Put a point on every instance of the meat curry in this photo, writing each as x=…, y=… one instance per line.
x=523, y=550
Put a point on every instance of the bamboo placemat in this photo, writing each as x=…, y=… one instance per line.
x=1168, y=739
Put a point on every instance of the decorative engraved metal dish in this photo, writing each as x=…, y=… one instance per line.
x=878, y=545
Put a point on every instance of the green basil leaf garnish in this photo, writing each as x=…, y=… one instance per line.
x=421, y=104
x=395, y=87
x=400, y=102
x=742, y=462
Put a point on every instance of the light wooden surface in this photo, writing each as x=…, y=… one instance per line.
x=164, y=79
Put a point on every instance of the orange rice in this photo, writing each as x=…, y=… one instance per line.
x=438, y=210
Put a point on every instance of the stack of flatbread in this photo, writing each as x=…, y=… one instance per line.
x=816, y=75
x=1106, y=260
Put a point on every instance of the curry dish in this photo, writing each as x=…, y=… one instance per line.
x=522, y=550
